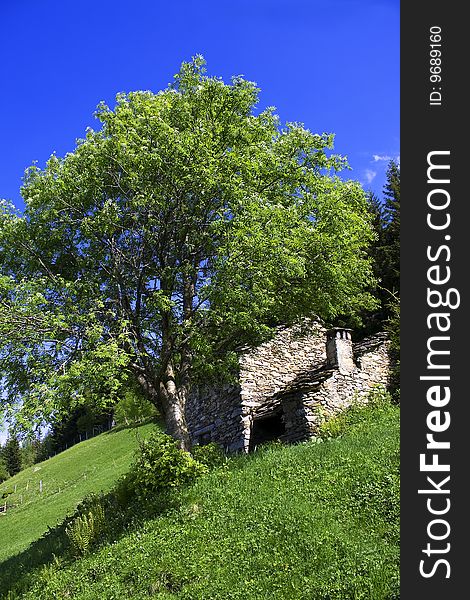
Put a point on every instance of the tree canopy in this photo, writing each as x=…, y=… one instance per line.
x=189, y=224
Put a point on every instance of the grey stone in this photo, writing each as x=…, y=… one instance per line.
x=301, y=369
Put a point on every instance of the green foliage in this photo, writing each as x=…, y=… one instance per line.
x=388, y=251
x=12, y=455
x=385, y=249
x=333, y=427
x=68, y=429
x=6, y=492
x=161, y=466
x=211, y=455
x=85, y=529
x=4, y=474
x=393, y=329
x=392, y=229
x=132, y=408
x=47, y=448
x=188, y=224
x=29, y=451
x=358, y=414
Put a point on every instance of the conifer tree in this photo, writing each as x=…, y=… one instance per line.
x=391, y=231
x=12, y=456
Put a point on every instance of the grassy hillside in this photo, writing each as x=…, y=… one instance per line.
x=316, y=521
x=90, y=466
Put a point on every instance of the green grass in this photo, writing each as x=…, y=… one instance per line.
x=90, y=466
x=315, y=521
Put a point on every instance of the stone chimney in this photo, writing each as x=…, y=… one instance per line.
x=339, y=351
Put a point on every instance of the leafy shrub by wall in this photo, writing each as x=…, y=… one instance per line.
x=160, y=466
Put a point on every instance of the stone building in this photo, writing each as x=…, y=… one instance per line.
x=287, y=385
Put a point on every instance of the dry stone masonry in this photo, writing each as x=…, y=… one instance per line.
x=287, y=386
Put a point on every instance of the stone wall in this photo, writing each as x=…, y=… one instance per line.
x=288, y=375
x=305, y=408
x=225, y=413
x=269, y=368
x=215, y=414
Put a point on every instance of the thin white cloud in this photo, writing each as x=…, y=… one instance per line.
x=369, y=175
x=378, y=157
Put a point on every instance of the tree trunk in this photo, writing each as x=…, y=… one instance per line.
x=172, y=401
x=161, y=387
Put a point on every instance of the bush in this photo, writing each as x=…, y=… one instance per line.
x=160, y=466
x=333, y=427
x=211, y=455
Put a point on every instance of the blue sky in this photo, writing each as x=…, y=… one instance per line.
x=332, y=65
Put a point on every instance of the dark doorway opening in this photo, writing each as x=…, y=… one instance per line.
x=266, y=429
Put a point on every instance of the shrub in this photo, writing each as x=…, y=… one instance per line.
x=211, y=455
x=160, y=466
x=333, y=427
x=133, y=408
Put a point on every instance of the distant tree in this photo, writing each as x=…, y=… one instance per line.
x=384, y=252
x=187, y=226
x=29, y=451
x=68, y=429
x=4, y=474
x=376, y=209
x=133, y=407
x=390, y=248
x=47, y=448
x=12, y=455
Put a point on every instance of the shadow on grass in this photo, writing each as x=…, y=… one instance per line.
x=19, y=572
x=16, y=571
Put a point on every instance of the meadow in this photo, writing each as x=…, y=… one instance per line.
x=91, y=466
x=313, y=521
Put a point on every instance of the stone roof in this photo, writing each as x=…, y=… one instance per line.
x=309, y=380
x=369, y=343
x=306, y=382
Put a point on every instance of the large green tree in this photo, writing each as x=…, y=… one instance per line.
x=187, y=225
